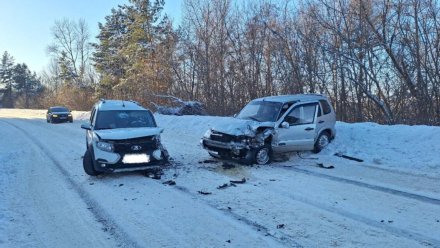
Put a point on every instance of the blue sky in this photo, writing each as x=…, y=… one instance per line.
x=25, y=24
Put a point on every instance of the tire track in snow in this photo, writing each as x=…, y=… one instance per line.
x=285, y=239
x=359, y=218
x=373, y=223
x=387, y=190
x=93, y=206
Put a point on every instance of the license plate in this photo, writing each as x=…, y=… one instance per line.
x=135, y=158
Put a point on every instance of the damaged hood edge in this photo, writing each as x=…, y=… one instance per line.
x=238, y=127
x=128, y=133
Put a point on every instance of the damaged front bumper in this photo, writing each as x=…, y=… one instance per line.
x=231, y=146
x=240, y=147
x=231, y=150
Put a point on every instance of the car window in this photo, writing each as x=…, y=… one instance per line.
x=59, y=109
x=325, y=107
x=124, y=119
x=304, y=114
x=284, y=108
x=261, y=111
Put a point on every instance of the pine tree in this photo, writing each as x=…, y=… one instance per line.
x=132, y=46
x=26, y=84
x=109, y=62
x=6, y=80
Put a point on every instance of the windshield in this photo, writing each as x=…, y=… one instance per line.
x=59, y=109
x=261, y=111
x=124, y=119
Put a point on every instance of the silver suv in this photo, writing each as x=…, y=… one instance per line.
x=122, y=135
x=274, y=124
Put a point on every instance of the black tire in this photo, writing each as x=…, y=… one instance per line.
x=88, y=164
x=262, y=155
x=321, y=142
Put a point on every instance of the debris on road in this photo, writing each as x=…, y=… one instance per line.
x=321, y=165
x=157, y=175
x=338, y=154
x=280, y=226
x=208, y=161
x=223, y=186
x=243, y=180
x=169, y=182
x=228, y=166
x=204, y=192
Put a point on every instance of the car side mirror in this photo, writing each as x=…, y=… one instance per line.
x=86, y=126
x=285, y=124
x=235, y=115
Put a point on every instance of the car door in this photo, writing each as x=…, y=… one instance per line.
x=300, y=134
x=326, y=120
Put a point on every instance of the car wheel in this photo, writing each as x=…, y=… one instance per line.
x=263, y=155
x=322, y=141
x=88, y=164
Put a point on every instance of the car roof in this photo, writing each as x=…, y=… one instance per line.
x=106, y=105
x=293, y=98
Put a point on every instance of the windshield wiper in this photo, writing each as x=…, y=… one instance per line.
x=104, y=128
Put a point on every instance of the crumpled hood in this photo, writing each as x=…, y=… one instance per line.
x=239, y=127
x=128, y=133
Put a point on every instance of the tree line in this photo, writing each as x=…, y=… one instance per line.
x=377, y=60
x=19, y=87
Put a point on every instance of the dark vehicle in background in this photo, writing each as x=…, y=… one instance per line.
x=58, y=114
x=122, y=136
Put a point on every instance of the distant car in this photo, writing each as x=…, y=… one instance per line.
x=58, y=114
x=121, y=136
x=274, y=124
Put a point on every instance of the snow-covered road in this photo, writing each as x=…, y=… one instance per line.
x=48, y=201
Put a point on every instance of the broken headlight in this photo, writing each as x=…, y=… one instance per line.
x=156, y=139
x=104, y=146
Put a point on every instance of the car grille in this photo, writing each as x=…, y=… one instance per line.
x=222, y=137
x=138, y=145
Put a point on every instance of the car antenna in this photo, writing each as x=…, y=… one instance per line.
x=123, y=105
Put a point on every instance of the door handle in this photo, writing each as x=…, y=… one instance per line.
x=309, y=129
x=321, y=122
